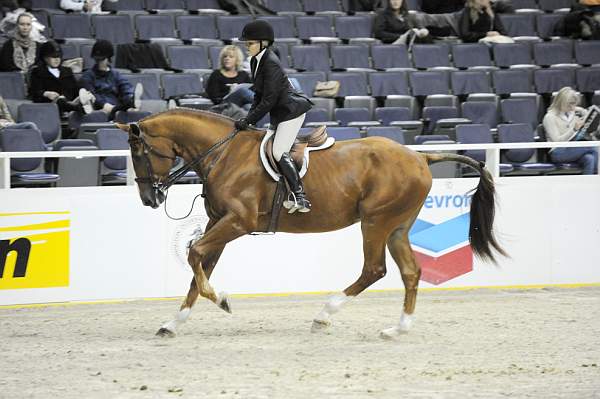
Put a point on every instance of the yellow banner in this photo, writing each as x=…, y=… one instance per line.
x=34, y=250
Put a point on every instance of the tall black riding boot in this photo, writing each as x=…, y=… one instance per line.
x=289, y=171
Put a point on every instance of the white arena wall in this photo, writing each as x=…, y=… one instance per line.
x=100, y=243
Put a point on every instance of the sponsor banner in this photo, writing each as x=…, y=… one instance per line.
x=34, y=249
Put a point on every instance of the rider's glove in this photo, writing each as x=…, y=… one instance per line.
x=241, y=124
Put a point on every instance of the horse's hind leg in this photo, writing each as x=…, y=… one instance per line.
x=169, y=329
x=399, y=247
x=374, y=236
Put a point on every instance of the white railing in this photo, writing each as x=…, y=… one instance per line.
x=492, y=155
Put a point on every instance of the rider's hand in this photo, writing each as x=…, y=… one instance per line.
x=241, y=124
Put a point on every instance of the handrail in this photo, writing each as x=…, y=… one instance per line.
x=492, y=154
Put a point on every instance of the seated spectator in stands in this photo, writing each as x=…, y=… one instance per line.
x=230, y=83
x=478, y=22
x=582, y=21
x=392, y=25
x=51, y=82
x=111, y=91
x=7, y=121
x=89, y=6
x=355, y=6
x=561, y=122
x=21, y=51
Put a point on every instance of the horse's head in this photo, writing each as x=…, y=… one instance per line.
x=153, y=157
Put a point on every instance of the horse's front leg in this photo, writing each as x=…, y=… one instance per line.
x=169, y=329
x=202, y=258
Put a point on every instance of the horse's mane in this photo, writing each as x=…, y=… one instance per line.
x=190, y=112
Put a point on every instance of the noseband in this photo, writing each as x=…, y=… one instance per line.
x=160, y=187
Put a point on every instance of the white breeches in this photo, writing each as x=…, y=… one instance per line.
x=285, y=135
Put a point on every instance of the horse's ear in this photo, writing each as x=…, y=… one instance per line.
x=134, y=129
x=123, y=126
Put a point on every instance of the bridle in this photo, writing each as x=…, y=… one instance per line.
x=159, y=186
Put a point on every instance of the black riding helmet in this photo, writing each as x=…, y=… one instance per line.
x=103, y=49
x=258, y=30
x=50, y=49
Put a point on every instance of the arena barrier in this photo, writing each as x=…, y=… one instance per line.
x=98, y=243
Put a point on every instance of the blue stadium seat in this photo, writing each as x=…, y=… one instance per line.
x=196, y=27
x=431, y=116
x=524, y=4
x=124, y=5
x=284, y=6
x=165, y=4
x=478, y=134
x=588, y=79
x=46, y=4
x=424, y=83
x=188, y=57
x=522, y=110
x=130, y=116
x=26, y=171
x=553, y=5
x=519, y=157
x=343, y=133
x=550, y=80
x=155, y=26
x=427, y=56
x=283, y=26
x=116, y=29
x=13, y=85
x=553, y=52
x=314, y=26
x=308, y=80
x=68, y=26
x=113, y=169
x=393, y=133
x=387, y=115
x=45, y=116
x=180, y=84
x=388, y=83
x=230, y=26
x=518, y=24
x=481, y=112
x=353, y=27
x=512, y=81
x=347, y=115
x=387, y=57
x=351, y=83
x=313, y=6
x=470, y=55
x=345, y=57
x=510, y=54
x=310, y=58
x=468, y=82
x=587, y=52
x=316, y=115
x=547, y=25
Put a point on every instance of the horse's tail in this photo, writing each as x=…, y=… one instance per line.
x=481, y=233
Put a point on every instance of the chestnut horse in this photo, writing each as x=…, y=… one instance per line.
x=374, y=181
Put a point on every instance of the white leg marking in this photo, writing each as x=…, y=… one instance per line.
x=403, y=327
x=181, y=318
x=331, y=307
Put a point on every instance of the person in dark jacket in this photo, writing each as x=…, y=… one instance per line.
x=274, y=95
x=51, y=82
x=112, y=92
x=20, y=53
x=392, y=25
x=478, y=21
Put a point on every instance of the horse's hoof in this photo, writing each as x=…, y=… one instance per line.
x=320, y=325
x=165, y=333
x=392, y=333
x=223, y=302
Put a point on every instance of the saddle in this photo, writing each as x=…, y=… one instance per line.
x=317, y=139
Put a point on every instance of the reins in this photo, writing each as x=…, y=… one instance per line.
x=162, y=187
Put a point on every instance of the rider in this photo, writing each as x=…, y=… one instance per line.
x=274, y=95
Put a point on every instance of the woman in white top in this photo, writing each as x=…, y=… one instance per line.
x=561, y=122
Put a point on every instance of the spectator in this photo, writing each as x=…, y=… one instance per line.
x=230, y=83
x=111, y=91
x=582, y=22
x=562, y=122
x=51, y=82
x=89, y=6
x=7, y=121
x=392, y=25
x=21, y=51
x=355, y=6
x=478, y=22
